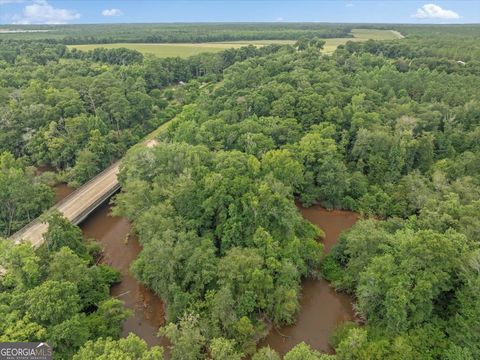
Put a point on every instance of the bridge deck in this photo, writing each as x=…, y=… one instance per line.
x=80, y=203
x=77, y=206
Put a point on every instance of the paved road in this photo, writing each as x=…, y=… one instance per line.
x=77, y=205
x=80, y=203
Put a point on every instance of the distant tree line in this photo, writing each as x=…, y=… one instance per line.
x=175, y=33
x=447, y=55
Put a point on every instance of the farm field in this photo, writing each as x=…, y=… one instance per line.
x=190, y=49
x=183, y=49
x=362, y=35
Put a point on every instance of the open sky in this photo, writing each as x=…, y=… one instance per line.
x=130, y=11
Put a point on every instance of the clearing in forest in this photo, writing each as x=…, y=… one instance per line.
x=189, y=49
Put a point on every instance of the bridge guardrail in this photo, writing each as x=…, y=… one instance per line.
x=17, y=236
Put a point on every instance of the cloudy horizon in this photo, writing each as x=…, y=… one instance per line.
x=77, y=12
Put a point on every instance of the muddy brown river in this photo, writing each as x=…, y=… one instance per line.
x=62, y=191
x=119, y=251
x=322, y=309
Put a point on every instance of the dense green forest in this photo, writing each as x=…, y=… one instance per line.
x=77, y=112
x=387, y=129
x=58, y=293
x=172, y=33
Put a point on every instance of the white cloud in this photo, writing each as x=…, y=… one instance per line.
x=279, y=19
x=432, y=11
x=349, y=5
x=41, y=12
x=111, y=12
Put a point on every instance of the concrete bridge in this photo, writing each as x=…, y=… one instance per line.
x=79, y=204
x=76, y=206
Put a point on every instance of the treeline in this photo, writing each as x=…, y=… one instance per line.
x=120, y=56
x=459, y=31
x=352, y=131
x=174, y=33
x=445, y=55
x=449, y=48
x=174, y=69
x=78, y=112
x=41, y=53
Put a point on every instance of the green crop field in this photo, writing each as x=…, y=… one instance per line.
x=189, y=49
x=362, y=35
x=183, y=49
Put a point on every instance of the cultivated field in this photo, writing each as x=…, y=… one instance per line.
x=189, y=49
x=362, y=35
x=181, y=50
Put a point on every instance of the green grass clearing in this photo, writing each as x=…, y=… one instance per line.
x=189, y=49
x=182, y=50
x=362, y=35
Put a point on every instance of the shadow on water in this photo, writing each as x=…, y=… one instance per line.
x=62, y=190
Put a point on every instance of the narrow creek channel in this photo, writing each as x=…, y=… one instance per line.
x=322, y=309
x=148, y=311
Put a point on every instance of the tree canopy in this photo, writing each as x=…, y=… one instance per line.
x=388, y=129
x=57, y=294
x=366, y=129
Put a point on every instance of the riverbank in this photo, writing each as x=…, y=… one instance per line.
x=322, y=308
x=119, y=250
